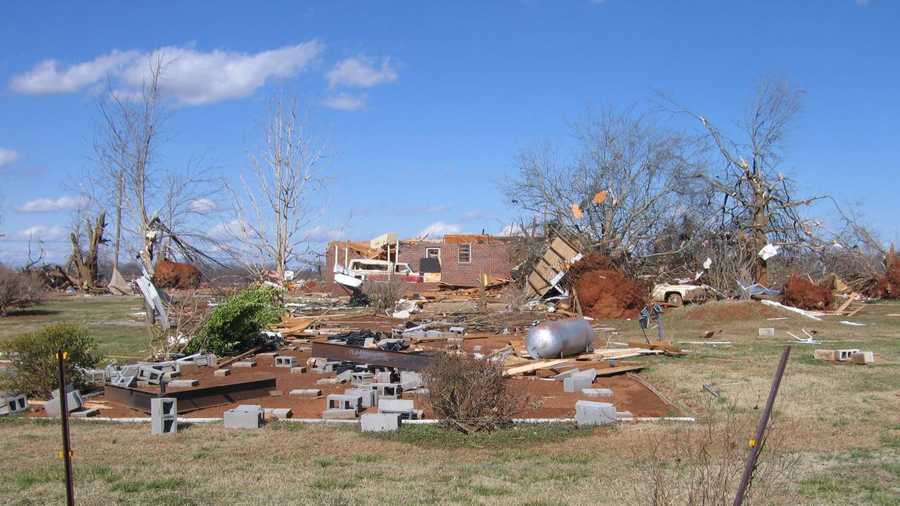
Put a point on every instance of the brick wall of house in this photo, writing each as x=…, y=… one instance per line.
x=489, y=256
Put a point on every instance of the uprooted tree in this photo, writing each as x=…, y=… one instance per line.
x=622, y=187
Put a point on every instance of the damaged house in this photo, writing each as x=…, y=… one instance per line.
x=457, y=259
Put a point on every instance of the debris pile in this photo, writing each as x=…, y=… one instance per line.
x=605, y=291
x=802, y=293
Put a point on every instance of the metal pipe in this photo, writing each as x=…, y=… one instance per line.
x=560, y=338
x=758, y=440
x=64, y=416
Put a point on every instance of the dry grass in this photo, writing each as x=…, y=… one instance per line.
x=839, y=422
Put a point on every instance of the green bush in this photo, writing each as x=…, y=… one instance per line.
x=235, y=325
x=33, y=356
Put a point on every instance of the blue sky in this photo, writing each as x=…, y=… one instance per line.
x=423, y=105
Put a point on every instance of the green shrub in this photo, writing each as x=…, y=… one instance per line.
x=33, y=356
x=235, y=325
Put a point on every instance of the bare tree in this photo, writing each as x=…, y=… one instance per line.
x=151, y=202
x=757, y=200
x=126, y=150
x=270, y=224
x=623, y=187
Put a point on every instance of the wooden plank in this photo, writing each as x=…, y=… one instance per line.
x=541, y=364
x=242, y=355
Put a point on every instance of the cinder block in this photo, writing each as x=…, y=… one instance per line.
x=267, y=354
x=298, y=370
x=278, y=413
x=305, y=392
x=767, y=332
x=594, y=413
x=579, y=380
x=410, y=380
x=73, y=403
x=339, y=414
x=222, y=372
x=163, y=415
x=386, y=390
x=287, y=362
x=244, y=417
x=245, y=363
x=327, y=381
x=339, y=401
x=369, y=397
x=345, y=376
x=844, y=355
x=829, y=355
x=361, y=378
x=597, y=392
x=382, y=377
x=395, y=406
x=12, y=404
x=863, y=357
x=183, y=383
x=379, y=422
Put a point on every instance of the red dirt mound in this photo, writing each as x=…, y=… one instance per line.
x=802, y=293
x=727, y=311
x=889, y=285
x=605, y=291
x=176, y=275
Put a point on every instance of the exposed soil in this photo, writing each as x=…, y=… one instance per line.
x=728, y=311
x=606, y=291
x=176, y=275
x=800, y=292
x=546, y=397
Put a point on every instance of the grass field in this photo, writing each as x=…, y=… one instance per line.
x=112, y=320
x=838, y=427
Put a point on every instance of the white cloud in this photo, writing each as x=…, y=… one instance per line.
x=7, y=156
x=346, y=102
x=201, y=205
x=48, y=205
x=439, y=228
x=191, y=77
x=360, y=72
x=47, y=76
x=321, y=233
x=43, y=233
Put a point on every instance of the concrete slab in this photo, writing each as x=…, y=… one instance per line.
x=244, y=363
x=379, y=422
x=244, y=417
x=222, y=372
x=589, y=413
x=183, y=383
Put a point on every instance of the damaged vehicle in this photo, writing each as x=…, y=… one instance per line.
x=678, y=295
